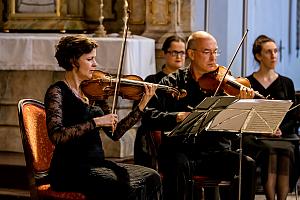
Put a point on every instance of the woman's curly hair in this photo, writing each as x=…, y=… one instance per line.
x=70, y=48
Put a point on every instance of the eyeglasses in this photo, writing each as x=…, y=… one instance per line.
x=208, y=52
x=177, y=53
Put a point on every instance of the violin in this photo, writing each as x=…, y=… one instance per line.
x=102, y=86
x=210, y=82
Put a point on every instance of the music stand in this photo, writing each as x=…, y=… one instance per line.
x=256, y=116
x=201, y=115
x=228, y=114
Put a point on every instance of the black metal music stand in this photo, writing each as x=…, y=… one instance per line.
x=228, y=114
x=201, y=115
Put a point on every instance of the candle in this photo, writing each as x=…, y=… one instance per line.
x=125, y=18
x=100, y=32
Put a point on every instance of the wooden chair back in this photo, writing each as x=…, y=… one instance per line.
x=38, y=150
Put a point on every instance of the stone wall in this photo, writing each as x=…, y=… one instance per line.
x=16, y=85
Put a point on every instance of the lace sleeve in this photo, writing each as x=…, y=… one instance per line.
x=125, y=124
x=57, y=131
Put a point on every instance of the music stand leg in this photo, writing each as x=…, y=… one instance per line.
x=240, y=164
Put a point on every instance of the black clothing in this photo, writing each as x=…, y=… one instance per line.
x=281, y=89
x=142, y=152
x=78, y=162
x=208, y=154
x=155, y=78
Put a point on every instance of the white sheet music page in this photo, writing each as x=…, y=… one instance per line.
x=251, y=116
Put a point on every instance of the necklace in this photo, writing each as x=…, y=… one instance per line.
x=79, y=95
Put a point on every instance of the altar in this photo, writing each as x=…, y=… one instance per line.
x=36, y=52
x=28, y=67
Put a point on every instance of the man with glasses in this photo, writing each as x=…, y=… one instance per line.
x=208, y=153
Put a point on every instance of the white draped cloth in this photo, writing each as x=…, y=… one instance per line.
x=23, y=51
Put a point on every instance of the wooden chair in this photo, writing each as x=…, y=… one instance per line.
x=198, y=183
x=38, y=151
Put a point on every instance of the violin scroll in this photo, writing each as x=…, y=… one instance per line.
x=178, y=94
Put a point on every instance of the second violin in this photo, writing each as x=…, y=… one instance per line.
x=230, y=85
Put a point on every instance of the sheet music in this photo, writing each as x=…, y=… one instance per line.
x=251, y=116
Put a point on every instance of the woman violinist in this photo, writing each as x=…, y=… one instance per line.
x=78, y=162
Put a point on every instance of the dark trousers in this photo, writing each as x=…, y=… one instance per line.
x=179, y=163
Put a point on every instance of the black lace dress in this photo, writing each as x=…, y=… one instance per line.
x=78, y=162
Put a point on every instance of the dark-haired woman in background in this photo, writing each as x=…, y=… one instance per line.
x=276, y=158
x=174, y=55
x=78, y=162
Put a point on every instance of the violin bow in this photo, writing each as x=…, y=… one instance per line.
x=121, y=61
x=230, y=64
